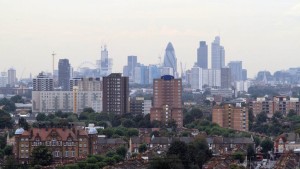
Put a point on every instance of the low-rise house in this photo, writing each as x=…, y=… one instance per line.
x=105, y=145
x=223, y=145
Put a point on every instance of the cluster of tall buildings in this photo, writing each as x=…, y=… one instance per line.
x=218, y=76
x=8, y=78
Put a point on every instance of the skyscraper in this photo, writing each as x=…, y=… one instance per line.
x=225, y=78
x=131, y=64
x=105, y=62
x=167, y=103
x=115, y=94
x=236, y=70
x=244, y=73
x=197, y=78
x=170, y=59
x=12, y=79
x=3, y=79
x=202, y=60
x=64, y=73
x=217, y=54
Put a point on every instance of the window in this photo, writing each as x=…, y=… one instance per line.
x=73, y=153
x=84, y=145
x=66, y=153
x=80, y=145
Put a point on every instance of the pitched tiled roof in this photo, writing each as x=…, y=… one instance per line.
x=43, y=133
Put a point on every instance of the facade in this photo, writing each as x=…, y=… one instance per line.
x=202, y=55
x=279, y=103
x=217, y=54
x=64, y=73
x=245, y=74
x=66, y=144
x=212, y=77
x=231, y=116
x=42, y=83
x=225, y=78
x=167, y=104
x=130, y=70
x=12, y=78
x=139, y=105
x=170, y=59
x=86, y=92
x=236, y=70
x=154, y=73
x=197, y=79
x=141, y=75
x=3, y=79
x=116, y=94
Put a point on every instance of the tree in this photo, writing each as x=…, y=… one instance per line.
x=23, y=123
x=291, y=113
x=199, y=151
x=239, y=156
x=9, y=106
x=250, y=151
x=142, y=148
x=5, y=120
x=181, y=149
x=121, y=151
x=261, y=118
x=2, y=142
x=8, y=150
x=41, y=117
x=267, y=145
x=88, y=110
x=128, y=123
x=17, y=99
x=132, y=132
x=41, y=156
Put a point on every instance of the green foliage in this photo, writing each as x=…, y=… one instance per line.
x=128, y=123
x=267, y=145
x=142, y=148
x=23, y=123
x=192, y=115
x=41, y=156
x=41, y=117
x=121, y=151
x=5, y=120
x=8, y=150
x=109, y=161
x=17, y=99
x=239, y=156
x=9, y=106
x=2, y=142
x=291, y=113
x=88, y=110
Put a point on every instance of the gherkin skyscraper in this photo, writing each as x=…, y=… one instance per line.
x=170, y=59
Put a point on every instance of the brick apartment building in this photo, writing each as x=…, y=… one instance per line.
x=167, y=104
x=66, y=144
x=281, y=104
x=231, y=116
x=115, y=94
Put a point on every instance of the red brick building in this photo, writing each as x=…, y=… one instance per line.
x=167, y=104
x=64, y=143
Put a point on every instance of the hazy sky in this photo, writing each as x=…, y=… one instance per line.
x=264, y=34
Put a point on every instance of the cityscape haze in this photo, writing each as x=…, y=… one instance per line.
x=76, y=30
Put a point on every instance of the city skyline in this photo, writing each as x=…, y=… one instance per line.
x=77, y=32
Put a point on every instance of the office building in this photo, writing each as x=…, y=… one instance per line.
x=170, y=59
x=217, y=54
x=211, y=77
x=65, y=144
x=236, y=70
x=105, y=64
x=225, y=78
x=232, y=116
x=12, y=78
x=154, y=73
x=131, y=64
x=196, y=79
x=167, y=103
x=42, y=83
x=64, y=73
x=202, y=55
x=115, y=94
x=244, y=74
x=3, y=79
x=141, y=75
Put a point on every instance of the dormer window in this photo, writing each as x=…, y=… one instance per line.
x=53, y=141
